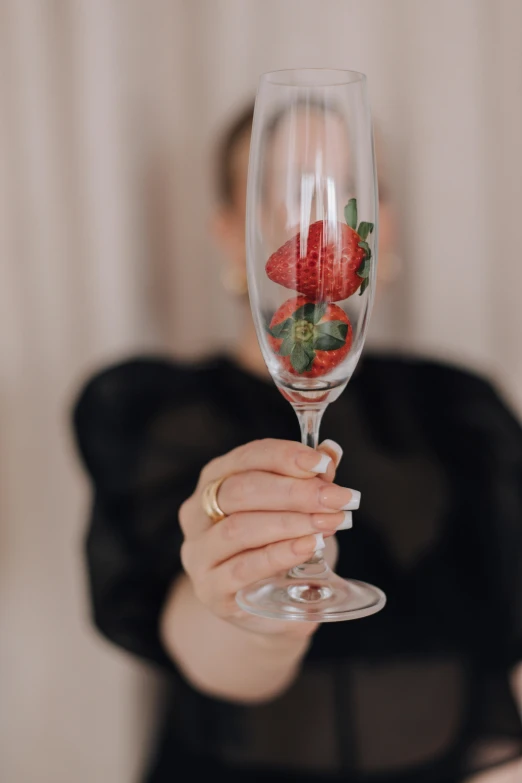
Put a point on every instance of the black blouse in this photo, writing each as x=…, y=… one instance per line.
x=418, y=693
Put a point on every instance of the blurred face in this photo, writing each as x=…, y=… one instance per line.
x=228, y=225
x=229, y=221
x=308, y=170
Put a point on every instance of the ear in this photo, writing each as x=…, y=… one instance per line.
x=387, y=228
x=229, y=234
x=220, y=226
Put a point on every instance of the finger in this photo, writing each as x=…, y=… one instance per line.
x=334, y=451
x=284, y=457
x=251, y=530
x=277, y=456
x=260, y=491
x=249, y=567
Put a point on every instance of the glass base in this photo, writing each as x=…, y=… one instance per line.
x=309, y=599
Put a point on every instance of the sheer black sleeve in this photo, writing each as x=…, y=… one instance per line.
x=502, y=455
x=486, y=440
x=144, y=431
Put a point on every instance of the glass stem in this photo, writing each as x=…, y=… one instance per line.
x=310, y=421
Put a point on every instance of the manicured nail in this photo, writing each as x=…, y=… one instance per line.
x=331, y=445
x=319, y=542
x=332, y=496
x=306, y=545
x=308, y=460
x=328, y=522
x=347, y=522
x=355, y=502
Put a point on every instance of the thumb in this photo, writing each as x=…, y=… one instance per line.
x=334, y=451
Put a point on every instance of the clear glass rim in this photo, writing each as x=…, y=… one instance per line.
x=296, y=77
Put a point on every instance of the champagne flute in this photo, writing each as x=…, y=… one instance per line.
x=311, y=260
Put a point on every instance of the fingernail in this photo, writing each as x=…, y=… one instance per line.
x=308, y=460
x=347, y=522
x=333, y=446
x=319, y=542
x=306, y=545
x=355, y=501
x=328, y=522
x=332, y=496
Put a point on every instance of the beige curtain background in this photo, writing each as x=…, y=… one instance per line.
x=108, y=110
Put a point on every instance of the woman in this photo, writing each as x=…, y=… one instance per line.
x=417, y=693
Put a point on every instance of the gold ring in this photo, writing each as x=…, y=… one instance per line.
x=209, y=500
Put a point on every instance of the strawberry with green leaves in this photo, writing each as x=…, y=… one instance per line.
x=333, y=263
x=311, y=338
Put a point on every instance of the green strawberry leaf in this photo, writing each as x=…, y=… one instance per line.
x=302, y=358
x=364, y=269
x=310, y=312
x=366, y=247
x=320, y=310
x=364, y=285
x=336, y=329
x=304, y=313
x=281, y=329
x=350, y=213
x=328, y=343
x=286, y=346
x=364, y=229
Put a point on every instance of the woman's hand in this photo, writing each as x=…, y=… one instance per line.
x=278, y=496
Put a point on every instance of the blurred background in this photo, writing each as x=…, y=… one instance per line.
x=109, y=111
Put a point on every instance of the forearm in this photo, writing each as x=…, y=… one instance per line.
x=221, y=659
x=511, y=772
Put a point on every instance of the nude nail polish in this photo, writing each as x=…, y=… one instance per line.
x=314, y=463
x=335, y=497
x=305, y=546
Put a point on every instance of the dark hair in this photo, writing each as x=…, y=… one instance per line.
x=232, y=135
x=235, y=132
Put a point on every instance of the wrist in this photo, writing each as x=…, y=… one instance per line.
x=289, y=643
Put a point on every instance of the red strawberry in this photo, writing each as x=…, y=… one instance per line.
x=332, y=264
x=311, y=338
